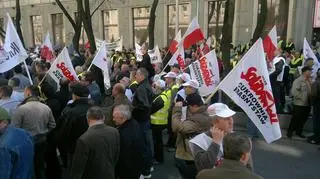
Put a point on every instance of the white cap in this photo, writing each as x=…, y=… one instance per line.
x=221, y=110
x=184, y=77
x=160, y=83
x=191, y=83
x=171, y=75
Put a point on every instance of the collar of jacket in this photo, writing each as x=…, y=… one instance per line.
x=80, y=101
x=29, y=99
x=202, y=109
x=235, y=165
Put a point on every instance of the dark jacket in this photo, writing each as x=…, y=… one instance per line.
x=228, y=169
x=146, y=63
x=96, y=154
x=122, y=99
x=142, y=101
x=315, y=92
x=132, y=148
x=72, y=124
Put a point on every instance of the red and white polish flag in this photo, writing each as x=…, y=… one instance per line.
x=46, y=51
x=193, y=34
x=174, y=43
x=248, y=85
x=270, y=43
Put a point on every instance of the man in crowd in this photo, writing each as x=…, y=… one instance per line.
x=207, y=157
x=93, y=87
x=159, y=119
x=5, y=100
x=125, y=81
x=97, y=150
x=237, y=149
x=36, y=118
x=132, y=146
x=301, y=92
x=16, y=150
x=146, y=62
x=196, y=121
x=24, y=81
x=17, y=93
x=142, y=101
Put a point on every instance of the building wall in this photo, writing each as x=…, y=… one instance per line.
x=244, y=22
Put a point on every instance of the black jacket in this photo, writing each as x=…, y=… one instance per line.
x=96, y=154
x=142, y=101
x=72, y=124
x=131, y=160
x=146, y=63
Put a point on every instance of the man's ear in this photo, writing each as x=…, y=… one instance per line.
x=245, y=158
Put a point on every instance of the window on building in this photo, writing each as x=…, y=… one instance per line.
x=216, y=11
x=184, y=20
x=36, y=29
x=110, y=25
x=140, y=24
x=57, y=28
x=278, y=11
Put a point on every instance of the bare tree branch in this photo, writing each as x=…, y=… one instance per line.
x=65, y=12
x=94, y=11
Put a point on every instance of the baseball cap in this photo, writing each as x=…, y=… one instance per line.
x=4, y=115
x=171, y=75
x=194, y=99
x=184, y=77
x=191, y=83
x=160, y=83
x=221, y=110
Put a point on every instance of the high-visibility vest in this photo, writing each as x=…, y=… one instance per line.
x=133, y=83
x=161, y=117
x=169, y=94
x=295, y=61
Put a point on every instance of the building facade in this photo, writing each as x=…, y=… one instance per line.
x=129, y=19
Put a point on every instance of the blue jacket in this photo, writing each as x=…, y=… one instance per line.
x=16, y=154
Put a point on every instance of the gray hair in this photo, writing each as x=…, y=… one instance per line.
x=124, y=110
x=95, y=113
x=143, y=72
x=235, y=145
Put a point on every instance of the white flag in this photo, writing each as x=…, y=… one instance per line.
x=206, y=72
x=102, y=61
x=46, y=51
x=155, y=55
x=62, y=68
x=138, y=52
x=13, y=51
x=178, y=58
x=308, y=53
x=248, y=85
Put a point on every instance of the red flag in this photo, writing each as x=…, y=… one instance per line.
x=193, y=34
x=270, y=43
x=46, y=51
x=174, y=44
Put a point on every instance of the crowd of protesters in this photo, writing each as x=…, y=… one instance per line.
x=84, y=130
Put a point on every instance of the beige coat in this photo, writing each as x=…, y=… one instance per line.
x=194, y=124
x=301, y=92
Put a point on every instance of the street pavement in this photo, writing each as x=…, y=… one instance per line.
x=284, y=159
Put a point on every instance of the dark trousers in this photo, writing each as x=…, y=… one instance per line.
x=300, y=116
x=172, y=136
x=39, y=159
x=52, y=161
x=147, y=135
x=316, y=123
x=187, y=169
x=158, y=142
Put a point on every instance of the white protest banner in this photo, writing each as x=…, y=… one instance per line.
x=62, y=68
x=13, y=52
x=155, y=55
x=46, y=51
x=138, y=52
x=308, y=53
x=178, y=58
x=248, y=85
x=102, y=61
x=115, y=45
x=206, y=72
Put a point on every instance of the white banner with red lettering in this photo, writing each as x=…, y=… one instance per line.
x=248, y=85
x=62, y=68
x=206, y=72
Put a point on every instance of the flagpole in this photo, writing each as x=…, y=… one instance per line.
x=163, y=59
x=90, y=67
x=177, y=16
x=28, y=73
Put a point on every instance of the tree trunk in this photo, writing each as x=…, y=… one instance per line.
x=219, y=4
x=227, y=33
x=2, y=33
x=87, y=24
x=262, y=18
x=151, y=24
x=213, y=7
x=18, y=18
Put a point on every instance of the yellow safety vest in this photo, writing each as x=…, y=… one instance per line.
x=161, y=117
x=280, y=43
x=294, y=62
x=168, y=92
x=133, y=83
